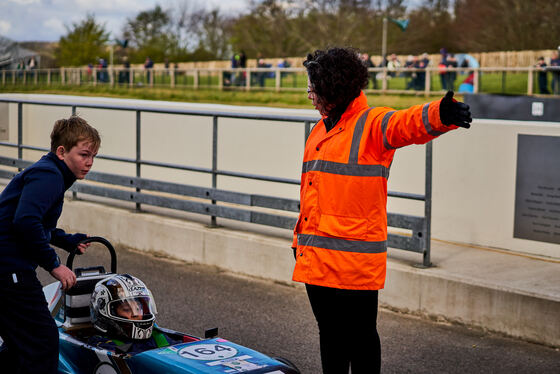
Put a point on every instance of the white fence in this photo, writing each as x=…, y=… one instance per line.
x=400, y=81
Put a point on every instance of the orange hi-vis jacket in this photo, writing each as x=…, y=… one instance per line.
x=341, y=232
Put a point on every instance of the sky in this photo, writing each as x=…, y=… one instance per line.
x=45, y=20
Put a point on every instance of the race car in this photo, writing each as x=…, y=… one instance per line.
x=192, y=354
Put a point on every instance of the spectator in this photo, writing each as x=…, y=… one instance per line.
x=124, y=75
x=383, y=62
x=261, y=75
x=148, y=66
x=423, y=63
x=242, y=60
x=369, y=64
x=451, y=74
x=442, y=66
x=410, y=63
x=541, y=76
x=283, y=64
x=235, y=61
x=89, y=70
x=555, y=68
x=393, y=65
x=102, y=75
x=238, y=60
x=234, y=65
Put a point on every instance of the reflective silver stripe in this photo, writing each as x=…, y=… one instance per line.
x=357, y=137
x=357, y=170
x=344, y=245
x=426, y=121
x=384, y=124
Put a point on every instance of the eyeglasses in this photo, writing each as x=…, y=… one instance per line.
x=309, y=90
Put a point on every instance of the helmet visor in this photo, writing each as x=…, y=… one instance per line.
x=134, y=309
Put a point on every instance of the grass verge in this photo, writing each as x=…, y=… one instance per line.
x=234, y=97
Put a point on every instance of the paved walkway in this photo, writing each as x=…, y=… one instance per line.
x=494, y=289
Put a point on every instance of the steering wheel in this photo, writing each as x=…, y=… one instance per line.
x=95, y=239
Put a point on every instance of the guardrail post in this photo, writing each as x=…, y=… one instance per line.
x=530, y=81
x=195, y=80
x=428, y=82
x=138, y=152
x=384, y=81
x=220, y=80
x=131, y=77
x=428, y=206
x=172, y=78
x=20, y=132
x=248, y=79
x=49, y=77
x=213, y=222
x=476, y=81
x=74, y=193
x=278, y=77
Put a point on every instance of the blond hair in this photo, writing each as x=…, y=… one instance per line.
x=68, y=132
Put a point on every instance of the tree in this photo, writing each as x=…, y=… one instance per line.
x=428, y=31
x=276, y=28
x=151, y=34
x=83, y=44
x=212, y=32
x=503, y=25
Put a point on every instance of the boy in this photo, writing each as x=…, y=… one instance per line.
x=30, y=206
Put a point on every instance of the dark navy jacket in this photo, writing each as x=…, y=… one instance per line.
x=30, y=206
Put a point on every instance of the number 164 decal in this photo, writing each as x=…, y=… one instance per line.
x=208, y=352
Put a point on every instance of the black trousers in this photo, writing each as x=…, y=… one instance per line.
x=347, y=321
x=28, y=330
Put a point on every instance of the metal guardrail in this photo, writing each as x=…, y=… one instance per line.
x=520, y=80
x=268, y=210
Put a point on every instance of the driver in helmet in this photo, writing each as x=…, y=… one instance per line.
x=123, y=310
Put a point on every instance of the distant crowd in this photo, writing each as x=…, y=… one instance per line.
x=553, y=67
x=415, y=79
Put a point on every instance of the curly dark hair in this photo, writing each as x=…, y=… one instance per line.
x=337, y=76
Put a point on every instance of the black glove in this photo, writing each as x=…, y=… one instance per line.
x=453, y=112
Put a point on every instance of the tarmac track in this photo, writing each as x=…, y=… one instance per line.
x=276, y=319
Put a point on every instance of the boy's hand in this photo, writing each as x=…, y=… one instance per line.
x=82, y=247
x=453, y=112
x=66, y=276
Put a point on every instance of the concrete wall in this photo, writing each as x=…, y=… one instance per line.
x=473, y=174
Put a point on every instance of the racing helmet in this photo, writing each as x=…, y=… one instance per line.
x=122, y=306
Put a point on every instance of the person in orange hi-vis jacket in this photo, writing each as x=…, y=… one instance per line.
x=340, y=238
